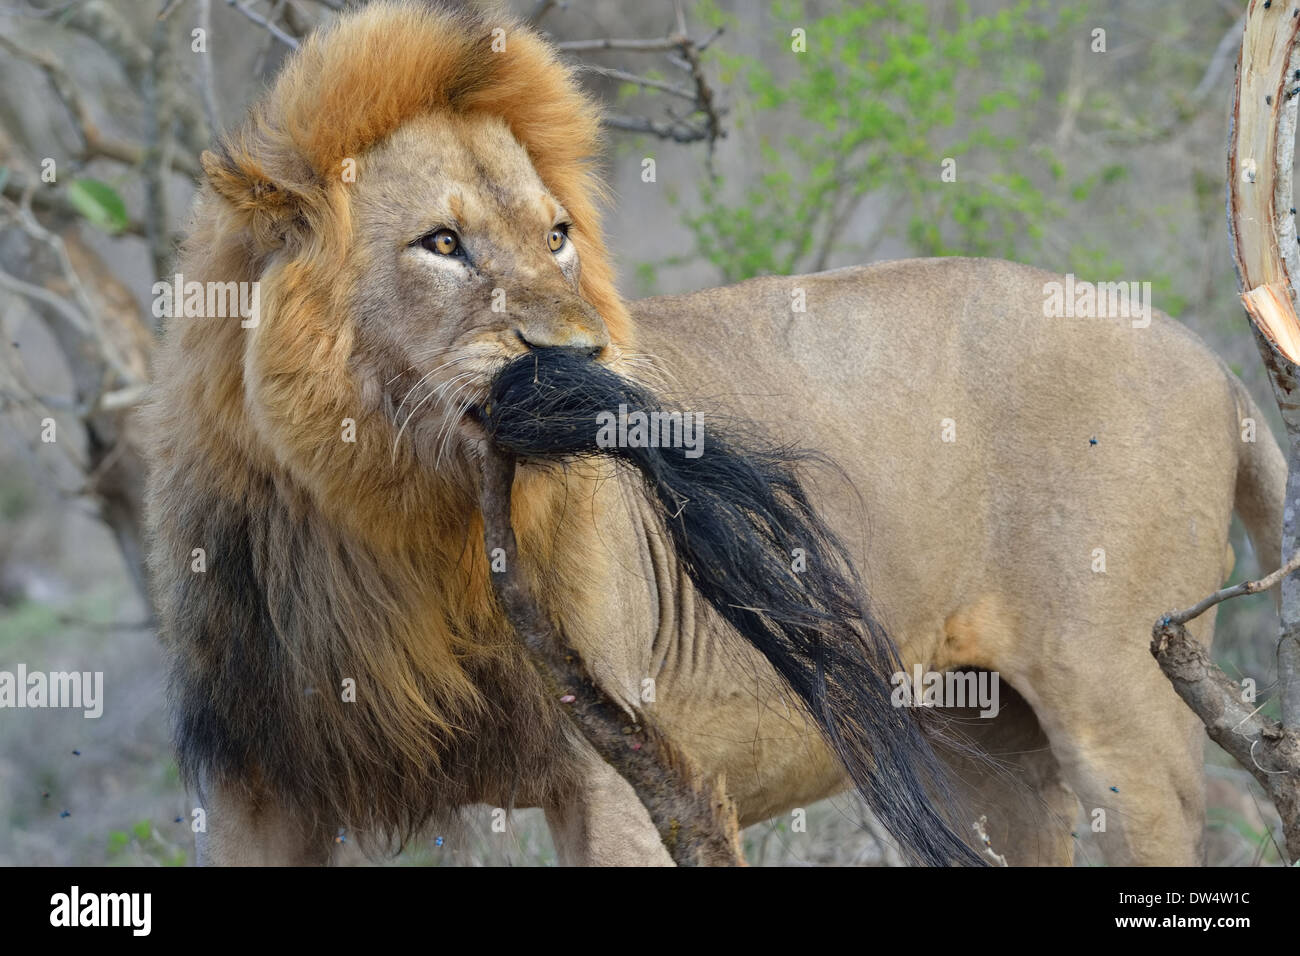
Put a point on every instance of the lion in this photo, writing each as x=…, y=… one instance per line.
x=416, y=200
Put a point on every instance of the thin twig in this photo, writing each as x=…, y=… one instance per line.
x=676, y=131
x=84, y=317
x=684, y=53
x=1237, y=590
x=703, y=92
x=118, y=37
x=47, y=298
x=207, y=73
x=94, y=143
x=540, y=9
x=658, y=45
x=158, y=123
x=264, y=54
x=626, y=77
x=261, y=21
x=54, y=201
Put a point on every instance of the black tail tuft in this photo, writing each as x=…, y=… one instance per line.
x=735, y=513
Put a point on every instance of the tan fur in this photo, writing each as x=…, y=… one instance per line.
x=980, y=552
x=332, y=559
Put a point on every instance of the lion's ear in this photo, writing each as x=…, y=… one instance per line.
x=273, y=211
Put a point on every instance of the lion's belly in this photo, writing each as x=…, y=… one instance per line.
x=723, y=701
x=660, y=647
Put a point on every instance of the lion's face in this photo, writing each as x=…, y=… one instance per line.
x=463, y=261
x=389, y=299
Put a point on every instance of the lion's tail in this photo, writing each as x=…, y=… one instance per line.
x=735, y=516
x=1261, y=485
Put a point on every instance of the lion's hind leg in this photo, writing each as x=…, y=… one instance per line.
x=1130, y=749
x=1137, y=767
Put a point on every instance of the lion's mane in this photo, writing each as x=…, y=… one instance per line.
x=327, y=561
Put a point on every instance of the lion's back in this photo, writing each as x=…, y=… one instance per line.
x=982, y=439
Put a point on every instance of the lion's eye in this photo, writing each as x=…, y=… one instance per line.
x=557, y=238
x=444, y=242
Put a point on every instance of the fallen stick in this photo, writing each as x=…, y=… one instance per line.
x=695, y=817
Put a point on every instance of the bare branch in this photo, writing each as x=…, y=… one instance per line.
x=684, y=53
x=46, y=297
x=1237, y=590
x=207, y=73
x=261, y=21
x=659, y=45
x=1262, y=238
x=128, y=397
x=690, y=52
x=108, y=367
x=158, y=153
x=94, y=143
x=101, y=22
x=676, y=131
x=645, y=81
x=84, y=317
x=1262, y=746
x=540, y=9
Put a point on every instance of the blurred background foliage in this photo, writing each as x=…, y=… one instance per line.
x=881, y=96
x=1086, y=136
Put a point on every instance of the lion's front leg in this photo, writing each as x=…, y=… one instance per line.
x=603, y=823
x=243, y=830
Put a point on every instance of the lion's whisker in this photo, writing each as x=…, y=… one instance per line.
x=425, y=377
x=451, y=419
x=432, y=393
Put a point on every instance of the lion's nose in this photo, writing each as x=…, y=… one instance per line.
x=579, y=336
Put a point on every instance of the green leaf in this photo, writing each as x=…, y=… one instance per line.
x=99, y=203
